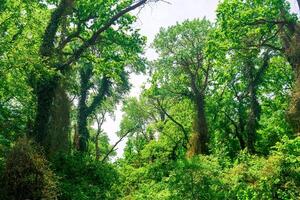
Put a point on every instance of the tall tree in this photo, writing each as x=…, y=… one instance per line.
x=74, y=27
x=185, y=71
x=275, y=26
x=107, y=76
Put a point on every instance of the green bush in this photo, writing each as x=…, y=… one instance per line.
x=83, y=178
x=210, y=177
x=274, y=177
x=26, y=174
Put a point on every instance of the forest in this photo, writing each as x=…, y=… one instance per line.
x=217, y=118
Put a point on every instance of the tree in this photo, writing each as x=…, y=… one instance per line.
x=73, y=28
x=18, y=65
x=107, y=76
x=273, y=21
x=185, y=71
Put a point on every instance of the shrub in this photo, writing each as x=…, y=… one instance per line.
x=83, y=178
x=26, y=174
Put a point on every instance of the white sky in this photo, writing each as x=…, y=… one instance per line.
x=150, y=19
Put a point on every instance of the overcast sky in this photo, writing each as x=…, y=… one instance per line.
x=150, y=19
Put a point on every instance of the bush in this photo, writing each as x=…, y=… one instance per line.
x=26, y=174
x=274, y=177
x=83, y=178
x=211, y=177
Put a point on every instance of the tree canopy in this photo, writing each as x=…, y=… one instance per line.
x=217, y=118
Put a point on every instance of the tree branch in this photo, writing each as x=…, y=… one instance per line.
x=93, y=39
x=173, y=120
x=100, y=96
x=114, y=146
x=47, y=46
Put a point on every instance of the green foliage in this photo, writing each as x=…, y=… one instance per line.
x=210, y=177
x=235, y=72
x=81, y=177
x=27, y=175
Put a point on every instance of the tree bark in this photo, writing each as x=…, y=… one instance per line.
x=199, y=139
x=58, y=138
x=52, y=120
x=292, y=52
x=241, y=128
x=85, y=75
x=252, y=122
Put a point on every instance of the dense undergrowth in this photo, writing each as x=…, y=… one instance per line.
x=277, y=176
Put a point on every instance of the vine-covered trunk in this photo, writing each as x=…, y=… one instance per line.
x=294, y=108
x=52, y=121
x=199, y=139
x=253, y=80
x=82, y=120
x=252, y=122
x=82, y=127
x=241, y=129
x=292, y=51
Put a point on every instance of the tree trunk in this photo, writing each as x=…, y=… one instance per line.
x=45, y=96
x=51, y=129
x=254, y=109
x=85, y=75
x=97, y=149
x=83, y=117
x=58, y=138
x=241, y=128
x=294, y=108
x=199, y=139
x=253, y=118
x=82, y=127
x=292, y=52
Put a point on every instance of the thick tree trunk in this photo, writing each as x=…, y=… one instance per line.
x=292, y=51
x=253, y=118
x=199, y=139
x=294, y=108
x=51, y=129
x=58, y=139
x=45, y=96
x=253, y=79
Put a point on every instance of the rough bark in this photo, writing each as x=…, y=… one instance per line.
x=292, y=51
x=199, y=139
x=58, y=137
x=252, y=122
x=52, y=119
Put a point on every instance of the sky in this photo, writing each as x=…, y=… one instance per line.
x=150, y=19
